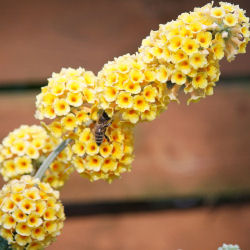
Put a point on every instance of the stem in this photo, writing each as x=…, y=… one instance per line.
x=42, y=169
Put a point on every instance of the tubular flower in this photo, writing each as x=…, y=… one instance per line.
x=107, y=161
x=24, y=149
x=31, y=213
x=193, y=44
x=127, y=85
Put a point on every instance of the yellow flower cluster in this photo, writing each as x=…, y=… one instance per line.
x=128, y=86
x=31, y=213
x=25, y=148
x=191, y=47
x=108, y=160
x=133, y=88
x=65, y=92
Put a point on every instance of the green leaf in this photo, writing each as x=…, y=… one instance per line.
x=4, y=244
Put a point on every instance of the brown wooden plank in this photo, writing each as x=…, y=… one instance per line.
x=204, y=229
x=40, y=37
x=203, y=148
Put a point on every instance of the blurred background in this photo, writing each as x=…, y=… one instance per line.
x=190, y=183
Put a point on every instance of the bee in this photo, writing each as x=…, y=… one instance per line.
x=101, y=125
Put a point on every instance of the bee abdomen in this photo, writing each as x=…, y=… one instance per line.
x=99, y=137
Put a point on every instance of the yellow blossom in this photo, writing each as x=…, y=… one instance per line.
x=94, y=163
x=35, y=222
x=61, y=107
x=200, y=81
x=178, y=77
x=204, y=38
x=124, y=100
x=190, y=46
x=198, y=60
x=217, y=12
x=230, y=20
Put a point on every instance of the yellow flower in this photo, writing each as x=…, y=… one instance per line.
x=112, y=79
x=82, y=116
x=105, y=149
x=117, y=150
x=124, y=100
x=204, y=39
x=8, y=221
x=79, y=164
x=23, y=229
x=175, y=43
x=34, y=220
x=50, y=226
x=86, y=135
x=190, y=46
x=32, y=194
x=89, y=78
x=9, y=167
x=19, y=148
x=178, y=56
x=89, y=95
x=131, y=115
x=74, y=86
x=200, y=81
x=56, y=129
x=149, y=75
x=133, y=88
x=184, y=67
x=61, y=107
x=57, y=89
x=127, y=159
x=40, y=207
x=140, y=104
x=38, y=233
x=217, y=12
x=74, y=99
x=48, y=98
x=117, y=135
x=32, y=152
x=195, y=27
x=149, y=115
x=49, y=214
x=69, y=122
x=110, y=94
x=92, y=148
x=109, y=165
x=16, y=197
x=94, y=163
x=150, y=93
x=228, y=7
x=19, y=215
x=23, y=164
x=198, y=60
x=27, y=206
x=123, y=67
x=79, y=148
x=157, y=51
x=136, y=76
x=22, y=240
x=178, y=77
x=218, y=51
x=162, y=74
x=230, y=20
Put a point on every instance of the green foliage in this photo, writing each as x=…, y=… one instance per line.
x=4, y=244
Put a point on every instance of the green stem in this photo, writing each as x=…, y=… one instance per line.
x=42, y=169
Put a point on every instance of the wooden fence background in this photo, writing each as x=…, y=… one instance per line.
x=202, y=149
